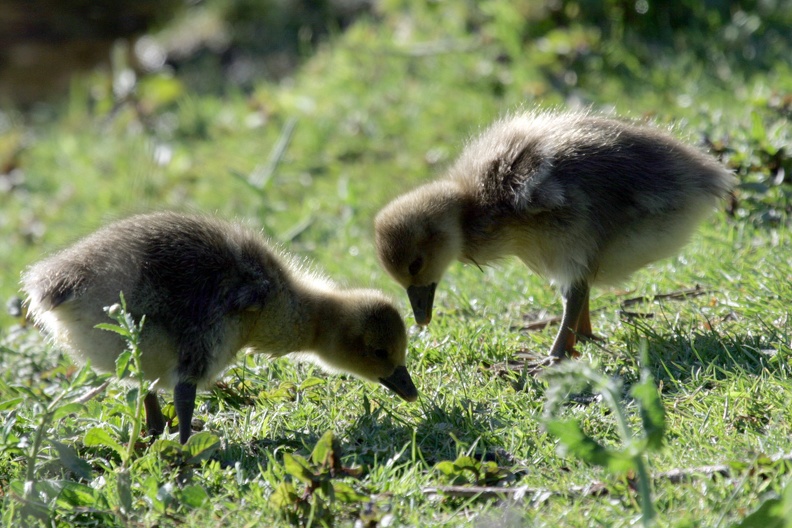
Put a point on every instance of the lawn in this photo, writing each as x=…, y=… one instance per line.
x=371, y=111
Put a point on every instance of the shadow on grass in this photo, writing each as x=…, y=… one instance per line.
x=682, y=358
x=373, y=438
x=445, y=428
x=677, y=359
x=382, y=436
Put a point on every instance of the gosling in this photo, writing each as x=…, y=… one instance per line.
x=580, y=199
x=208, y=288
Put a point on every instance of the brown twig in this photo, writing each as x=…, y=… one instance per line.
x=93, y=392
x=673, y=296
x=595, y=488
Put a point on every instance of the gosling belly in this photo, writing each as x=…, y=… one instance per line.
x=74, y=329
x=641, y=243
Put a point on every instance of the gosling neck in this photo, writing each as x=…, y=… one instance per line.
x=446, y=207
x=468, y=223
x=322, y=314
x=288, y=322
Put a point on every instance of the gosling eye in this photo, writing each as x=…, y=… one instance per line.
x=381, y=353
x=415, y=266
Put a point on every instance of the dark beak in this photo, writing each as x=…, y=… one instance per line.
x=421, y=299
x=402, y=384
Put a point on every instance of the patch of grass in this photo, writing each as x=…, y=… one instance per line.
x=374, y=111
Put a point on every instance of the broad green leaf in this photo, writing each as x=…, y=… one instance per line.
x=577, y=443
x=297, y=467
x=124, y=484
x=114, y=328
x=769, y=514
x=151, y=488
x=131, y=398
x=325, y=490
x=446, y=467
x=169, y=411
x=285, y=391
x=165, y=494
x=457, y=473
x=71, y=461
x=18, y=487
x=76, y=495
x=82, y=376
x=69, y=408
x=168, y=450
x=47, y=491
x=201, y=446
x=193, y=495
x=99, y=437
x=27, y=391
x=8, y=440
x=346, y=493
x=775, y=512
x=312, y=382
x=10, y=404
x=284, y=496
x=491, y=473
x=467, y=463
x=324, y=453
x=122, y=364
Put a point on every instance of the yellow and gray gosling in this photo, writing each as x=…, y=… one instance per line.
x=580, y=199
x=209, y=288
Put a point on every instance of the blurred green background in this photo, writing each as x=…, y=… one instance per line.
x=306, y=116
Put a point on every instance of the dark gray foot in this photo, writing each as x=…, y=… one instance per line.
x=184, y=401
x=155, y=421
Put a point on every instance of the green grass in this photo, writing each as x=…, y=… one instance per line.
x=378, y=109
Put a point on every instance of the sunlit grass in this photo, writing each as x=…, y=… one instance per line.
x=375, y=114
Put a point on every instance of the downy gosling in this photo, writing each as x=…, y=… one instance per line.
x=209, y=288
x=580, y=199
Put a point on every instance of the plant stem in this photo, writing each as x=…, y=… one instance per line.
x=644, y=492
x=134, y=342
x=644, y=483
x=31, y=468
x=30, y=474
x=609, y=394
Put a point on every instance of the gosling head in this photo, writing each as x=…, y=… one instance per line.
x=367, y=338
x=418, y=235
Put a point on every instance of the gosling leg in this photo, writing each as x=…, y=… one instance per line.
x=575, y=302
x=584, y=322
x=155, y=421
x=184, y=401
